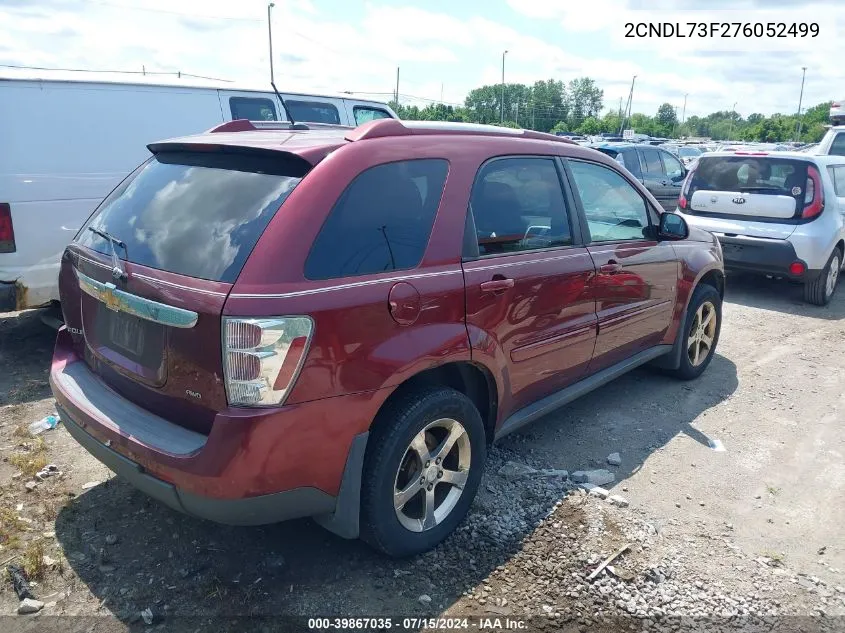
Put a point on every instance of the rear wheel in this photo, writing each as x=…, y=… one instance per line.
x=424, y=463
x=819, y=291
x=700, y=332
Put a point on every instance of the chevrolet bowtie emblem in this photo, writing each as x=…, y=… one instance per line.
x=108, y=297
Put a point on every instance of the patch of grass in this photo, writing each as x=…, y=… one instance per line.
x=33, y=460
x=772, y=490
x=33, y=561
x=51, y=508
x=777, y=558
x=21, y=430
x=10, y=527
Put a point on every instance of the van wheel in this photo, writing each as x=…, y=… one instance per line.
x=819, y=291
x=424, y=462
x=700, y=332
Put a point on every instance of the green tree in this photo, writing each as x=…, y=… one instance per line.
x=589, y=126
x=560, y=126
x=585, y=99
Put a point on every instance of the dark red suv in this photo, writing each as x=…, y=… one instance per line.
x=269, y=324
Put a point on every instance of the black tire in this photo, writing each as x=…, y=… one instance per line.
x=701, y=295
x=816, y=291
x=393, y=430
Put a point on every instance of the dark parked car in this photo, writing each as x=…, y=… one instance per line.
x=263, y=325
x=659, y=170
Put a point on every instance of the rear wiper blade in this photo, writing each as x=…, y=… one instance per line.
x=117, y=270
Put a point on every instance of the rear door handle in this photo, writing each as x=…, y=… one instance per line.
x=496, y=285
x=611, y=268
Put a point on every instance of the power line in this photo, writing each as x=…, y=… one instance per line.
x=177, y=73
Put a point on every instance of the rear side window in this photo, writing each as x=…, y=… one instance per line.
x=194, y=215
x=651, y=162
x=750, y=174
x=837, y=148
x=313, y=111
x=365, y=114
x=381, y=222
x=672, y=166
x=252, y=109
x=837, y=174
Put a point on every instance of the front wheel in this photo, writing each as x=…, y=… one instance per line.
x=424, y=463
x=820, y=290
x=700, y=332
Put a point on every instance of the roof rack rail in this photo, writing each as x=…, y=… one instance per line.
x=381, y=128
x=244, y=125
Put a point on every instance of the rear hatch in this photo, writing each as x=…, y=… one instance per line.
x=178, y=230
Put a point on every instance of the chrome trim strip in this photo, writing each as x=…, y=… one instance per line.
x=153, y=279
x=526, y=262
x=147, y=309
x=356, y=284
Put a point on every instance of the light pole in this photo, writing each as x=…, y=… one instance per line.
x=684, y=113
x=800, y=99
x=270, y=38
x=731, y=128
x=503, y=86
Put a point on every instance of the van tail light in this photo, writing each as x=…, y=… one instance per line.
x=7, y=232
x=813, y=194
x=262, y=358
x=683, y=200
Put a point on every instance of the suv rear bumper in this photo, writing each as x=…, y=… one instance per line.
x=255, y=467
x=763, y=255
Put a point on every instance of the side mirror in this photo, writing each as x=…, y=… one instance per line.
x=672, y=227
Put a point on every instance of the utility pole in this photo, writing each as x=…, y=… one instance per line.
x=684, y=114
x=441, y=93
x=270, y=38
x=628, y=106
x=503, y=86
x=731, y=128
x=517, y=112
x=800, y=99
x=396, y=94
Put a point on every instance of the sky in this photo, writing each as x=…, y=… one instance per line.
x=444, y=48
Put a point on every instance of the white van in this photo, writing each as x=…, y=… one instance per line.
x=65, y=143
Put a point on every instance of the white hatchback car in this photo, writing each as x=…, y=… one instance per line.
x=781, y=214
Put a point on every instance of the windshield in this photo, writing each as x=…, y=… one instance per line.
x=753, y=174
x=689, y=152
x=195, y=215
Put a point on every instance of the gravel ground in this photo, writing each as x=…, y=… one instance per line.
x=749, y=537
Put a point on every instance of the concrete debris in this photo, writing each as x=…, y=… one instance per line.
x=595, y=491
x=28, y=605
x=90, y=484
x=425, y=599
x=616, y=500
x=515, y=470
x=599, y=477
x=614, y=459
x=31, y=485
x=147, y=616
x=50, y=470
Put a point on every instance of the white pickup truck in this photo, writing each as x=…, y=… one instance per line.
x=67, y=143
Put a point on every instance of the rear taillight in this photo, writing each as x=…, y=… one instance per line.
x=813, y=194
x=7, y=232
x=683, y=201
x=262, y=358
x=835, y=105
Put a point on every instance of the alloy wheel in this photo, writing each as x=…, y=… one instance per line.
x=432, y=474
x=702, y=333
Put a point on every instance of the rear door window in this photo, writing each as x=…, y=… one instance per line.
x=837, y=174
x=313, y=111
x=518, y=205
x=365, y=114
x=252, y=109
x=382, y=221
x=195, y=215
x=650, y=160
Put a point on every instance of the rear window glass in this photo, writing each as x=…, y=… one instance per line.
x=364, y=114
x=837, y=148
x=381, y=222
x=750, y=174
x=194, y=215
x=313, y=111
